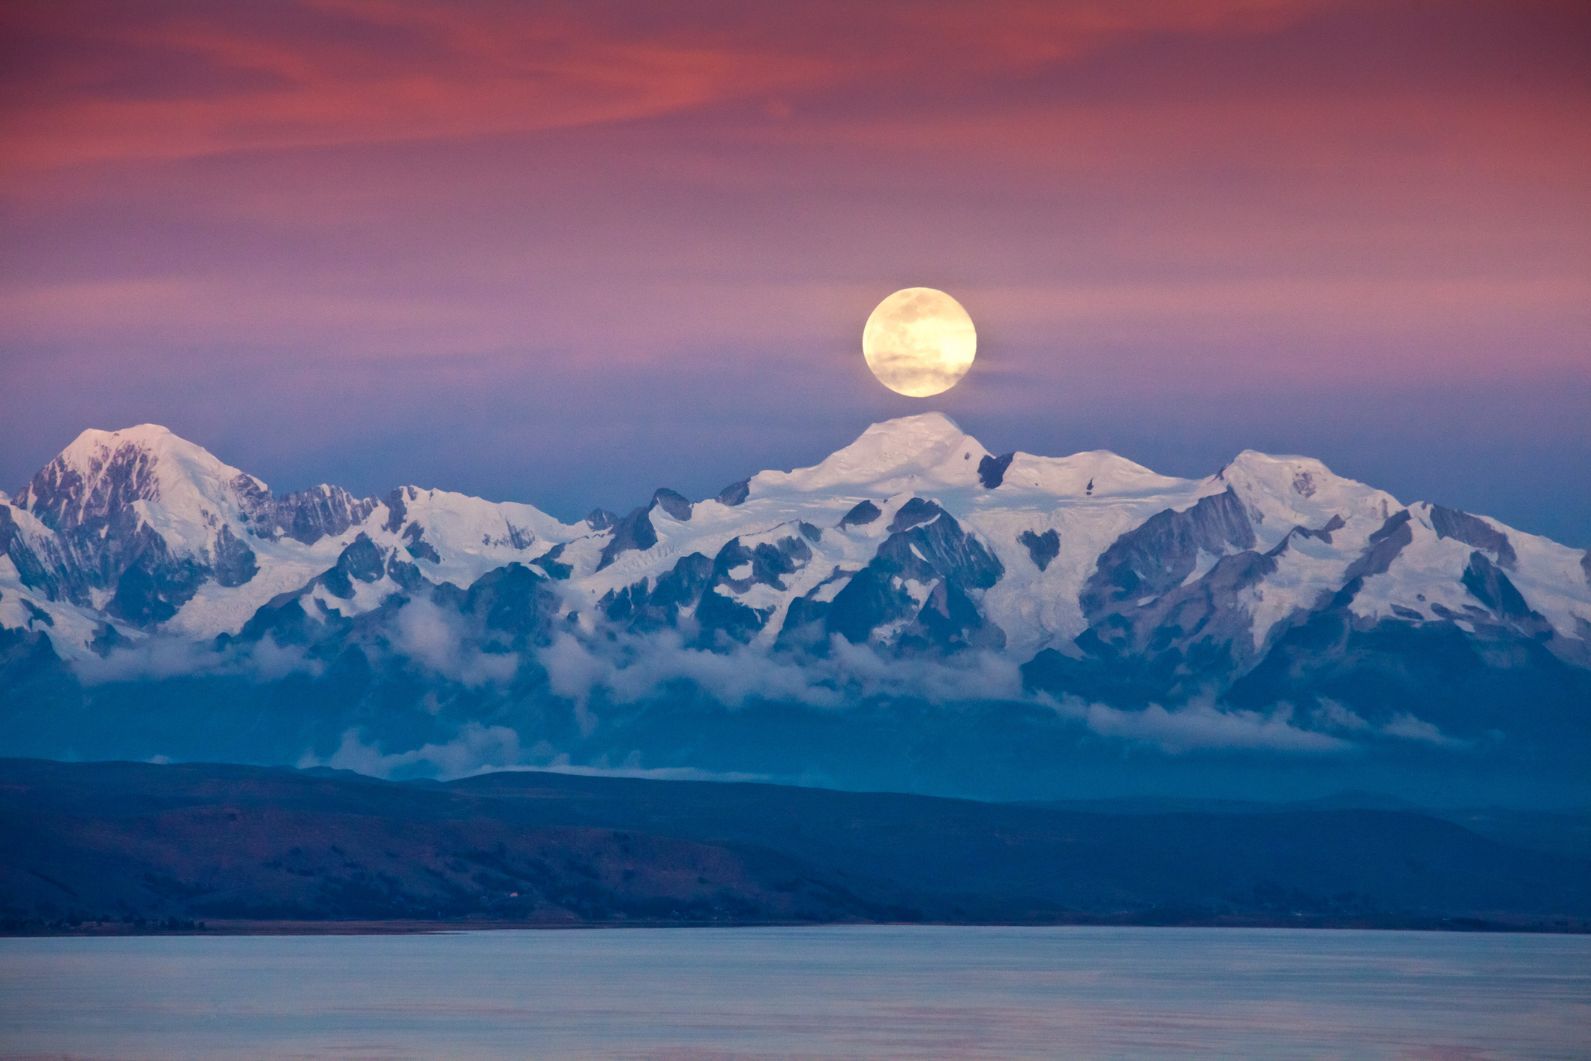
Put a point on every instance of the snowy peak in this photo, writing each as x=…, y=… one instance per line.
x=92, y=451
x=144, y=530
x=909, y=453
x=1287, y=491
x=103, y=473
x=1095, y=473
x=437, y=522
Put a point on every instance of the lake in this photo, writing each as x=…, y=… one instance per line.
x=830, y=991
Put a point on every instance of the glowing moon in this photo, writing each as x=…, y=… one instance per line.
x=919, y=342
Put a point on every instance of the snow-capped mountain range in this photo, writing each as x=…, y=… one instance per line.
x=1270, y=580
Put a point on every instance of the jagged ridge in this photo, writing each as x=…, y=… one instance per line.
x=1272, y=580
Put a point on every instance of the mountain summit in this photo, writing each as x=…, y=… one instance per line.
x=1270, y=605
x=912, y=451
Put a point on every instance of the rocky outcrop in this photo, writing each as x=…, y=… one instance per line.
x=1384, y=546
x=860, y=515
x=1473, y=531
x=361, y=561
x=673, y=503
x=633, y=532
x=922, y=582
x=1161, y=553
x=991, y=470
x=235, y=562
x=1042, y=548
x=1488, y=584
x=325, y=511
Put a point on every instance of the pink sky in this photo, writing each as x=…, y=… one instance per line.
x=617, y=245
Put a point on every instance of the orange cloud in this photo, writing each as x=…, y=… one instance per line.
x=349, y=72
x=471, y=79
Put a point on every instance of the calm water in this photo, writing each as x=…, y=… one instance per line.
x=806, y=991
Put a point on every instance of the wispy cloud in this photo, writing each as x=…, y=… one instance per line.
x=368, y=215
x=106, y=82
x=159, y=656
x=633, y=669
x=1201, y=727
x=476, y=749
x=437, y=639
x=1408, y=727
x=333, y=74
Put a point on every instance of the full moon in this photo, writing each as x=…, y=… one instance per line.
x=919, y=342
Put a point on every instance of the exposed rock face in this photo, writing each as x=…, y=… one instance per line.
x=1472, y=530
x=1201, y=623
x=633, y=532
x=647, y=607
x=235, y=562
x=1042, y=548
x=513, y=606
x=418, y=547
x=707, y=590
x=362, y=561
x=1384, y=546
x=926, y=553
x=636, y=532
x=991, y=470
x=38, y=559
x=1163, y=552
x=672, y=502
x=323, y=511
x=765, y=563
x=913, y=513
x=397, y=509
x=863, y=513
x=552, y=563
x=1489, y=585
x=1320, y=534
x=151, y=583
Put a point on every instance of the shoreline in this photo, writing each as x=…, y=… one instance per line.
x=413, y=927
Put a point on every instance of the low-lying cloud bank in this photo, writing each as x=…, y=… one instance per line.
x=631, y=669
x=160, y=657
x=591, y=676
x=482, y=749
x=1207, y=726
x=423, y=636
x=477, y=749
x=1201, y=727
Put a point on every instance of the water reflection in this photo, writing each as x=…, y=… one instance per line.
x=875, y=991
